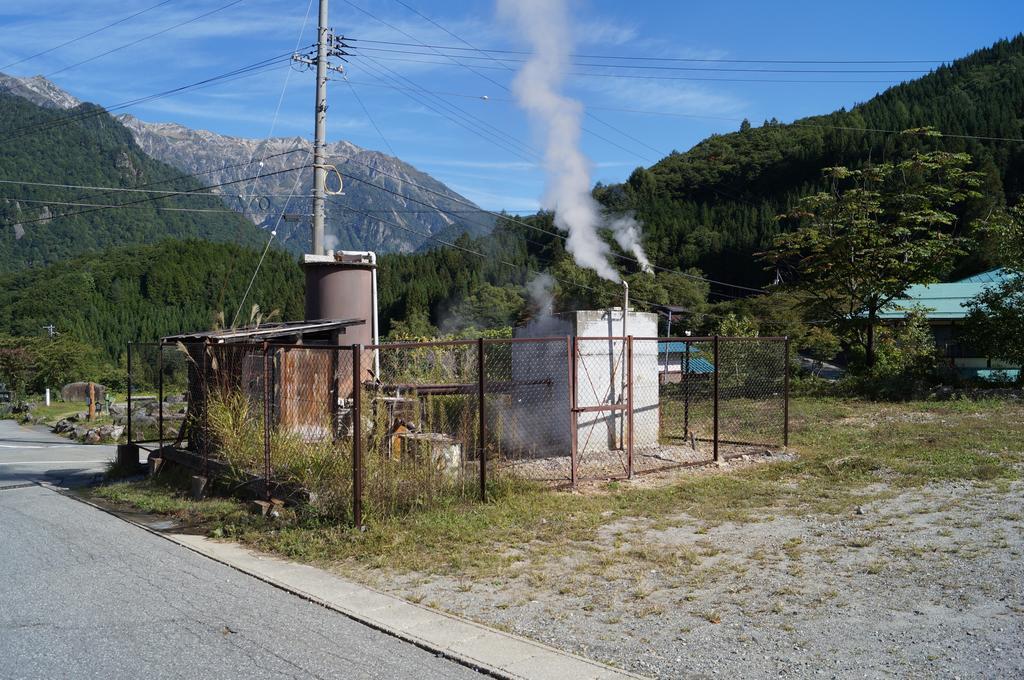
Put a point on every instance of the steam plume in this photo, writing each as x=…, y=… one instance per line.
x=545, y=23
x=540, y=289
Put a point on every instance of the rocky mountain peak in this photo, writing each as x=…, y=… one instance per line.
x=39, y=91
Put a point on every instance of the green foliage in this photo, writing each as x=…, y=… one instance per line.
x=860, y=245
x=93, y=151
x=995, y=320
x=907, y=361
x=141, y=293
x=31, y=364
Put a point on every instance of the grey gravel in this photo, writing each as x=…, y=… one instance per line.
x=927, y=583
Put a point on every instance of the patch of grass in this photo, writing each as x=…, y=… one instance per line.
x=845, y=449
x=168, y=494
x=711, y=616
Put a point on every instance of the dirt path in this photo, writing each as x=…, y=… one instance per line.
x=925, y=583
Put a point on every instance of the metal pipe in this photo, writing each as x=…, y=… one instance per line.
x=266, y=421
x=357, y=439
x=573, y=416
x=160, y=391
x=481, y=386
x=715, y=400
x=785, y=392
x=129, y=408
x=629, y=407
x=376, y=323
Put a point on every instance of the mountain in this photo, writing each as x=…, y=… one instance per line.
x=39, y=91
x=140, y=293
x=714, y=206
x=195, y=151
x=49, y=157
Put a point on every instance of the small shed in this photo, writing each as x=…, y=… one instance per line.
x=310, y=382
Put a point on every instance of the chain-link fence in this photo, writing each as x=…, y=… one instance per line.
x=357, y=432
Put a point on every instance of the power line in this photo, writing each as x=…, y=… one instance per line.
x=676, y=59
x=138, y=188
x=675, y=114
x=657, y=67
x=368, y=116
x=84, y=35
x=243, y=71
x=109, y=206
x=504, y=87
x=516, y=221
x=634, y=76
x=529, y=155
x=187, y=192
x=144, y=38
x=523, y=267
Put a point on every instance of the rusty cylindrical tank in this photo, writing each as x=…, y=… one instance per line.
x=341, y=286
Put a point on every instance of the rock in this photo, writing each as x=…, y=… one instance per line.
x=176, y=399
x=116, y=431
x=79, y=391
x=81, y=430
x=860, y=510
x=93, y=437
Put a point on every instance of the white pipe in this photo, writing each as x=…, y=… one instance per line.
x=376, y=327
x=625, y=308
x=47, y=396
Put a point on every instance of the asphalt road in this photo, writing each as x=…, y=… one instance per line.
x=86, y=595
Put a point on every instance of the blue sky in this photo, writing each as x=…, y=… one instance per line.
x=692, y=104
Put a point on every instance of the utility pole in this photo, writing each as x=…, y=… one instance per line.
x=327, y=45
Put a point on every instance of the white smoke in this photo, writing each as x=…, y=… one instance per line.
x=545, y=23
x=331, y=242
x=541, y=291
x=627, y=235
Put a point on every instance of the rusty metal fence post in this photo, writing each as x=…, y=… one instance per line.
x=573, y=343
x=205, y=388
x=357, y=437
x=688, y=346
x=160, y=392
x=715, y=397
x=785, y=397
x=629, y=407
x=129, y=406
x=481, y=389
x=266, y=420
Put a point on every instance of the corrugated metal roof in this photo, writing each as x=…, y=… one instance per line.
x=265, y=331
x=945, y=300
x=991, y=276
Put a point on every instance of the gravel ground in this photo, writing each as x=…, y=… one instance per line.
x=925, y=583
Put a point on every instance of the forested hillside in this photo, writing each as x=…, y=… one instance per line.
x=145, y=292
x=716, y=204
x=40, y=145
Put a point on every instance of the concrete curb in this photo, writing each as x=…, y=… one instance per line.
x=479, y=647
x=495, y=652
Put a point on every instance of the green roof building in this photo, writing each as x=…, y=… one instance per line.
x=945, y=305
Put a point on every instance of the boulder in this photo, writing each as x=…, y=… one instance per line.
x=81, y=430
x=93, y=437
x=79, y=391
